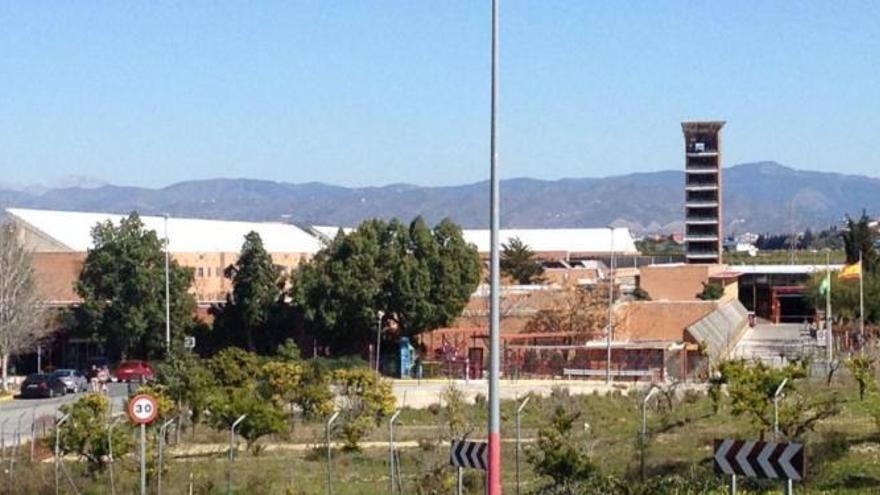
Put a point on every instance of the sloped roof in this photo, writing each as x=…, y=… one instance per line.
x=658, y=320
x=721, y=329
x=73, y=229
x=559, y=240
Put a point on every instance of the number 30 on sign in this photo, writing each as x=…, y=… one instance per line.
x=143, y=409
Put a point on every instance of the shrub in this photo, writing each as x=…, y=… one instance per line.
x=365, y=399
x=85, y=432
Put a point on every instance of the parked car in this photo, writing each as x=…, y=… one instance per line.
x=73, y=379
x=134, y=371
x=42, y=385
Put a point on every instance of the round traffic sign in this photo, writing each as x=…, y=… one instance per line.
x=143, y=409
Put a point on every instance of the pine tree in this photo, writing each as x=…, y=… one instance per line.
x=519, y=263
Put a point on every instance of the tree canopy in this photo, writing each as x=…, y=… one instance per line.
x=859, y=237
x=419, y=277
x=255, y=306
x=122, y=285
x=518, y=262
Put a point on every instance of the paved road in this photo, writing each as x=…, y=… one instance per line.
x=19, y=414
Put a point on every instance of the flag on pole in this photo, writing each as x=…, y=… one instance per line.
x=825, y=284
x=850, y=272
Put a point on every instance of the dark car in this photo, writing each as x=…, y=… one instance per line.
x=42, y=385
x=73, y=379
x=134, y=371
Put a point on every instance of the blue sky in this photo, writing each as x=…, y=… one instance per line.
x=364, y=93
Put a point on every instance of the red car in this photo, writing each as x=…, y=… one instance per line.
x=134, y=371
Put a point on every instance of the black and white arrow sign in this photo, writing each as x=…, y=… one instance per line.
x=468, y=454
x=780, y=460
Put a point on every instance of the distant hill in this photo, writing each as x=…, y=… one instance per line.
x=758, y=197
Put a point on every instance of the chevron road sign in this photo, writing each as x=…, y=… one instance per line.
x=775, y=460
x=465, y=453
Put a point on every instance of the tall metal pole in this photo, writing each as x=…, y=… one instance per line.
x=167, y=293
x=232, y=450
x=610, y=311
x=379, y=316
x=493, y=485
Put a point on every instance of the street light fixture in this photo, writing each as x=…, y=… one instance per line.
x=379, y=315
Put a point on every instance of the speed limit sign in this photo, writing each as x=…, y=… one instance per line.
x=143, y=409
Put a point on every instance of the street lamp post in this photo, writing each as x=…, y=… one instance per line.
x=379, y=315
x=610, y=310
x=167, y=293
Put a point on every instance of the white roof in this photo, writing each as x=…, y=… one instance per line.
x=185, y=235
x=782, y=269
x=560, y=240
x=329, y=232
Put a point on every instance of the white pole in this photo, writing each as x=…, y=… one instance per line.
x=776, y=408
x=58, y=448
x=861, y=304
x=519, y=409
x=650, y=394
x=143, y=459
x=167, y=293
x=391, y=446
x=161, y=448
x=829, y=339
x=379, y=315
x=610, y=311
x=329, y=455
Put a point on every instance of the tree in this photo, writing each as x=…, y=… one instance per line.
x=264, y=417
x=122, y=285
x=558, y=452
x=85, y=432
x=858, y=238
x=22, y=317
x=187, y=381
x=862, y=369
x=751, y=388
x=256, y=295
x=711, y=292
x=365, y=400
x=519, y=263
x=420, y=278
x=577, y=310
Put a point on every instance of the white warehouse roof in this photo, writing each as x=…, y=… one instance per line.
x=587, y=241
x=185, y=235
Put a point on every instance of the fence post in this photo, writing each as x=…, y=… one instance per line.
x=161, y=448
x=33, y=432
x=519, y=410
x=58, y=424
x=232, y=451
x=391, y=459
x=110, y=453
x=329, y=455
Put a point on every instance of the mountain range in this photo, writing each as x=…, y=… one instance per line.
x=758, y=197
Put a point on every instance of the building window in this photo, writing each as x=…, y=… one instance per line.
x=200, y=272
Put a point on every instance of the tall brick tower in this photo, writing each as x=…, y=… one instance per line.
x=703, y=233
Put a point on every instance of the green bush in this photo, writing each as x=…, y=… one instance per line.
x=85, y=432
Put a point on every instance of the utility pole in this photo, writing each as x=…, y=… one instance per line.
x=493, y=486
x=167, y=294
x=610, y=311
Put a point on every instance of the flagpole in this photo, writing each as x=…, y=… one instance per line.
x=861, y=304
x=829, y=338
